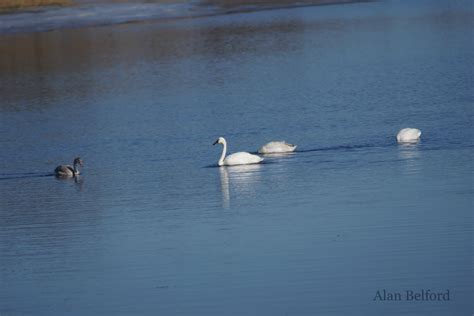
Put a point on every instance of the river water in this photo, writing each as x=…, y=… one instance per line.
x=153, y=227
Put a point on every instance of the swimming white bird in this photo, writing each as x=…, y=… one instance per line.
x=240, y=158
x=408, y=135
x=276, y=147
x=67, y=170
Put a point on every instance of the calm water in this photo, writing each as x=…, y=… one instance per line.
x=152, y=227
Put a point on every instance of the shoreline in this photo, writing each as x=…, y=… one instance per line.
x=12, y=6
x=85, y=14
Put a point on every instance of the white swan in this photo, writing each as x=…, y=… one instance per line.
x=240, y=158
x=67, y=170
x=276, y=147
x=408, y=135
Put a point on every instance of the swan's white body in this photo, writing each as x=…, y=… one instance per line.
x=240, y=158
x=276, y=147
x=408, y=135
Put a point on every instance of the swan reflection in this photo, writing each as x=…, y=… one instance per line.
x=77, y=181
x=279, y=155
x=410, y=154
x=240, y=179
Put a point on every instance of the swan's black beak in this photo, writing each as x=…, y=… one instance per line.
x=215, y=142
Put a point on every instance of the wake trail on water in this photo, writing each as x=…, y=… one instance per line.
x=347, y=147
x=24, y=175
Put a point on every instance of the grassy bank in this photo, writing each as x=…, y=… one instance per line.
x=19, y=4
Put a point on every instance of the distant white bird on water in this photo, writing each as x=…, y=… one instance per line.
x=408, y=135
x=240, y=158
x=276, y=147
x=67, y=170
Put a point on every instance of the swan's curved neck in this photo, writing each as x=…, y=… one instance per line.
x=224, y=151
x=76, y=169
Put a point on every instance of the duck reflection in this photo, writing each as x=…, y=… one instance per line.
x=241, y=180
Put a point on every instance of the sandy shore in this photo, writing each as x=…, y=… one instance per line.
x=82, y=13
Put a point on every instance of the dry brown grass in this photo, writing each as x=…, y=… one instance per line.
x=18, y=4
